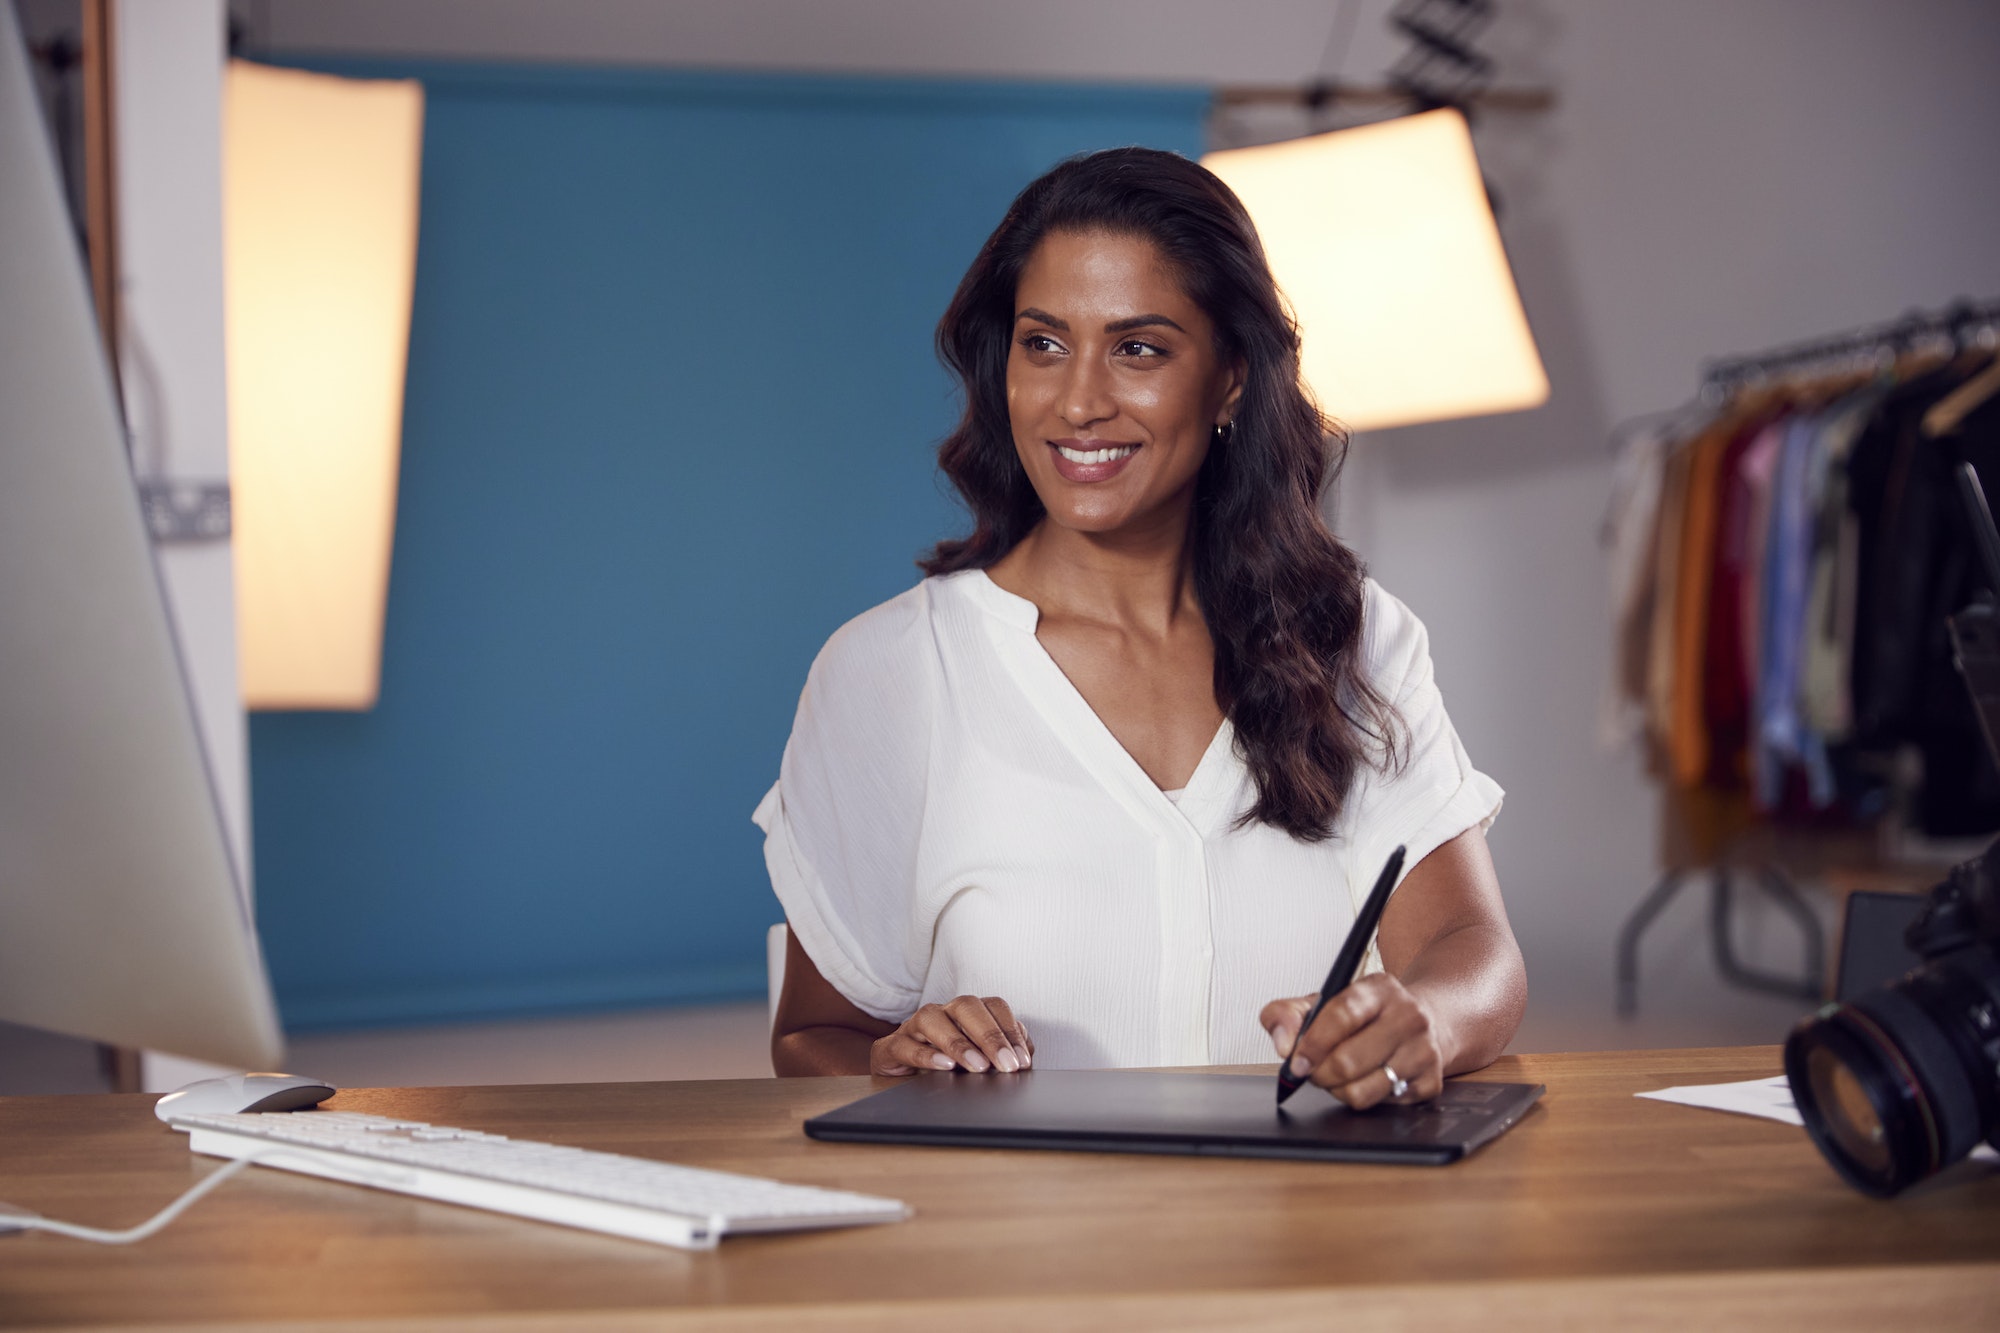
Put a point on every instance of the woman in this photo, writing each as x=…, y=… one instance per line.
x=1107, y=787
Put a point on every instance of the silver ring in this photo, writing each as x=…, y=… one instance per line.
x=1397, y=1086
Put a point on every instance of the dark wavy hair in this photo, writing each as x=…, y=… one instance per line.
x=1281, y=594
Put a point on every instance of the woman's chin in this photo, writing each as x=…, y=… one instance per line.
x=1127, y=512
x=1090, y=520
x=1133, y=533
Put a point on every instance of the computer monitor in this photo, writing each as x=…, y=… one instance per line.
x=120, y=914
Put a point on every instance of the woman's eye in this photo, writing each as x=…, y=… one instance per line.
x=1040, y=342
x=1133, y=347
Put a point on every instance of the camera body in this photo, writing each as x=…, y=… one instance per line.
x=1903, y=1081
x=1963, y=912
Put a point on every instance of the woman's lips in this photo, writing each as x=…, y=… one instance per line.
x=1091, y=460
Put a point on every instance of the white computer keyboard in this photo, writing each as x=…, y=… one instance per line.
x=598, y=1191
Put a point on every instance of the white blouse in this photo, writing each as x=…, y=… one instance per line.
x=951, y=818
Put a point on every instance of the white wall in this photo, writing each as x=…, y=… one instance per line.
x=1717, y=176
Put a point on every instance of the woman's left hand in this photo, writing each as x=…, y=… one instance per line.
x=1367, y=1037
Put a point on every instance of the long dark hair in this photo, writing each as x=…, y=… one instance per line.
x=1281, y=594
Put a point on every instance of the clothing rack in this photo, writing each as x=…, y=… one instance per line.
x=1957, y=326
x=1709, y=838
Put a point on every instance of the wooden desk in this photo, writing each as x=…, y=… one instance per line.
x=1599, y=1210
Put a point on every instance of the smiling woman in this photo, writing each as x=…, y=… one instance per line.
x=1106, y=788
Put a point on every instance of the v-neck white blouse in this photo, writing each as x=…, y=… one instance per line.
x=951, y=818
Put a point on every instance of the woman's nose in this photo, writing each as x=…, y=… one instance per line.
x=1086, y=397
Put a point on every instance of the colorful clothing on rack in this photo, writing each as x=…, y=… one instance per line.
x=1782, y=571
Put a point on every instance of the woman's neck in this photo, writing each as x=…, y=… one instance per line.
x=1136, y=580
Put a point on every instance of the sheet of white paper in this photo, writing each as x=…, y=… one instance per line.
x=1768, y=1098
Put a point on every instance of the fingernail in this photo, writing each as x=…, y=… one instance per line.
x=942, y=1061
x=1027, y=1058
x=1281, y=1040
x=975, y=1062
x=1007, y=1060
x=1299, y=1067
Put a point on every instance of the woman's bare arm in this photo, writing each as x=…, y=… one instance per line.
x=1449, y=1000
x=821, y=1031
x=1450, y=944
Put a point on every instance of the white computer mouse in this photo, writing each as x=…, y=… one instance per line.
x=243, y=1092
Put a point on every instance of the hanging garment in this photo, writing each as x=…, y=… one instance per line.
x=1660, y=631
x=1896, y=554
x=1825, y=683
x=1725, y=662
x=1778, y=739
x=1629, y=535
x=1687, y=731
x=1758, y=470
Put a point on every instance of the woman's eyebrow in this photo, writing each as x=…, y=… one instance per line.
x=1125, y=325
x=1140, y=322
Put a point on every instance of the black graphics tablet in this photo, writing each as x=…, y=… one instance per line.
x=1219, y=1115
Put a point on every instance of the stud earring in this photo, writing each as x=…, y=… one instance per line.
x=1221, y=432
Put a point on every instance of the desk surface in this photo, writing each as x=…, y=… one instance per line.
x=1598, y=1208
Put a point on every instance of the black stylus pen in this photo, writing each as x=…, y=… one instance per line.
x=1345, y=965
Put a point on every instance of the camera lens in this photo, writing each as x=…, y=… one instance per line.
x=1885, y=1084
x=1851, y=1119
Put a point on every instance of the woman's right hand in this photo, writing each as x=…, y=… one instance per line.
x=975, y=1034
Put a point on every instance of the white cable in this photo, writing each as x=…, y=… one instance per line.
x=11, y=1221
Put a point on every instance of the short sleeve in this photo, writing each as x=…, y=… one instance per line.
x=842, y=823
x=1434, y=793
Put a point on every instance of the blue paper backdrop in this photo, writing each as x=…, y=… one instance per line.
x=670, y=420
